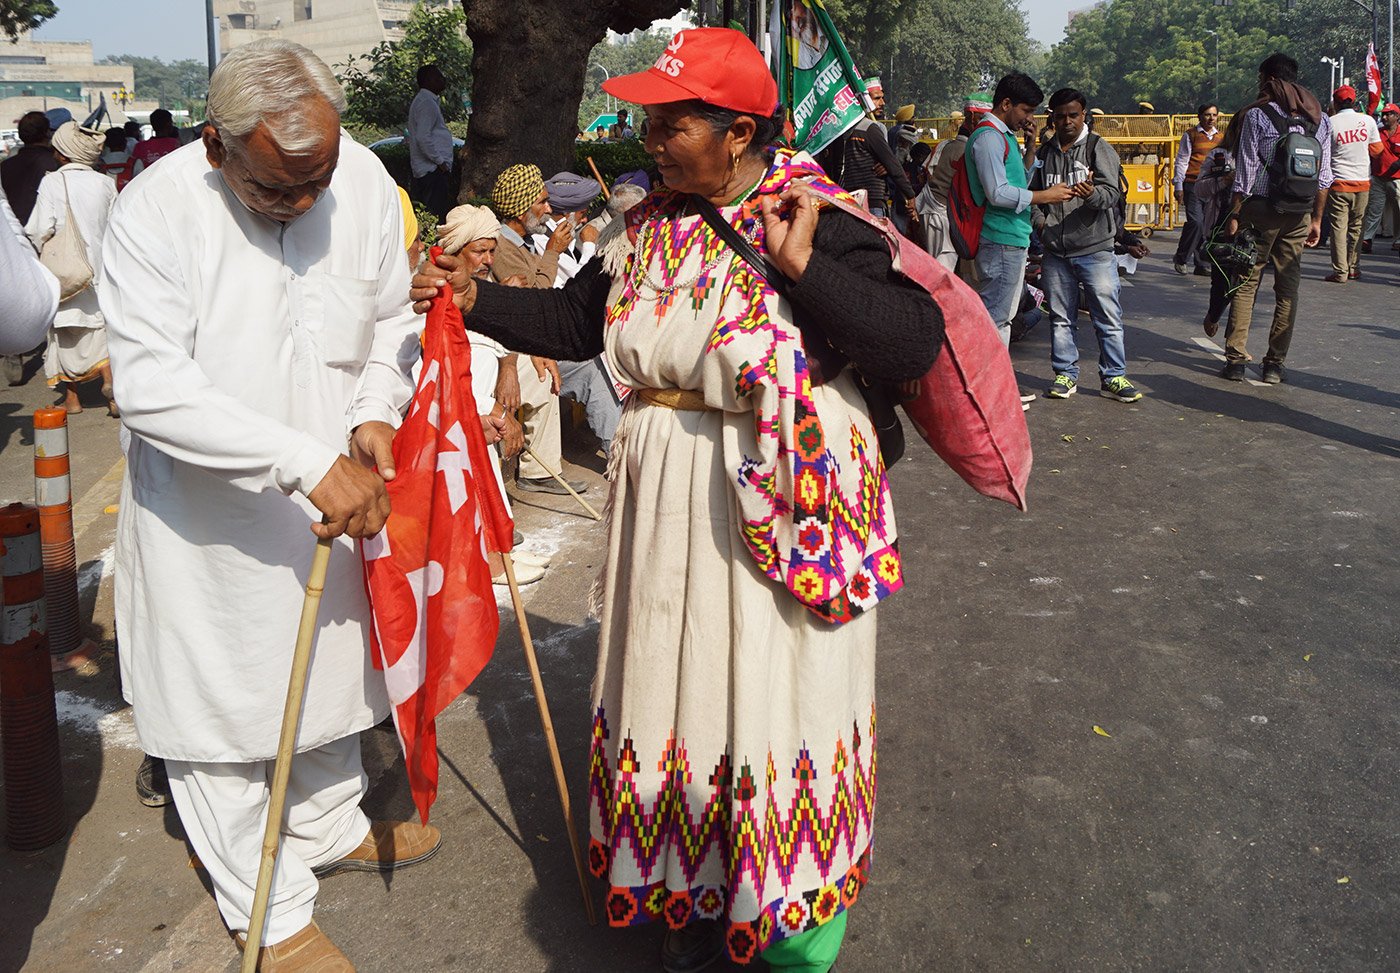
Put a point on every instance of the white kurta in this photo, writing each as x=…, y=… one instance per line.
x=77, y=345
x=244, y=351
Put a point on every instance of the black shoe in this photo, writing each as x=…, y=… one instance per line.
x=1202, y=271
x=1234, y=371
x=548, y=484
x=1271, y=373
x=152, y=784
x=693, y=947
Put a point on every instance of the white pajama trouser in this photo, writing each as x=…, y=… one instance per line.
x=223, y=807
x=540, y=417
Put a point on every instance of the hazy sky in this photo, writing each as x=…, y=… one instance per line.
x=175, y=30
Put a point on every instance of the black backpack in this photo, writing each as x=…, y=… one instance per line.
x=1293, y=172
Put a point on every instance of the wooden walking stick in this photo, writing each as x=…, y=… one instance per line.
x=281, y=769
x=543, y=704
x=565, y=484
x=599, y=176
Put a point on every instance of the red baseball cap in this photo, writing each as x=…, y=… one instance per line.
x=717, y=65
x=1345, y=93
x=1392, y=107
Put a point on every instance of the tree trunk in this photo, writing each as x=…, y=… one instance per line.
x=528, y=66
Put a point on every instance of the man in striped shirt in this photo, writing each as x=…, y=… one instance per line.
x=1283, y=225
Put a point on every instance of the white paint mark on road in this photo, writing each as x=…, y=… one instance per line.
x=1045, y=580
x=114, y=726
x=1212, y=702
x=95, y=570
x=1219, y=353
x=1205, y=575
x=1259, y=719
x=1350, y=514
x=1122, y=591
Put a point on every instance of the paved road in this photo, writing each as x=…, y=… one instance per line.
x=1208, y=576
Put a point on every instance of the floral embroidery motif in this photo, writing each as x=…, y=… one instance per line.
x=834, y=552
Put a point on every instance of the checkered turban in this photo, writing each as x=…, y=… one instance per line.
x=516, y=190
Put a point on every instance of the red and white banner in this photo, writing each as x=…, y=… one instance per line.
x=1373, y=80
x=435, y=616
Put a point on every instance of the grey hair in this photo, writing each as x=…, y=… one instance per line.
x=271, y=81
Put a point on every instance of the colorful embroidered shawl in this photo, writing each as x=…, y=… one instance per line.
x=814, y=501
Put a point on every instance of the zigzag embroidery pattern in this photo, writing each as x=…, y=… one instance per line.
x=741, y=824
x=828, y=526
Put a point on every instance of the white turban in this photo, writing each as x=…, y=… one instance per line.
x=465, y=224
x=80, y=144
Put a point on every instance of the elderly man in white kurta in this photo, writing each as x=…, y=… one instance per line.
x=256, y=295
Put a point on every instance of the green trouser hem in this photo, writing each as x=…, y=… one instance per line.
x=808, y=952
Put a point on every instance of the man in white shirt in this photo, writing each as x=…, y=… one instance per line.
x=1195, y=145
x=255, y=292
x=1355, y=139
x=32, y=292
x=429, y=143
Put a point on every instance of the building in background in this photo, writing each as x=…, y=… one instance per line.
x=39, y=75
x=337, y=30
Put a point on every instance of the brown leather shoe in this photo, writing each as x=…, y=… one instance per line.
x=308, y=951
x=388, y=846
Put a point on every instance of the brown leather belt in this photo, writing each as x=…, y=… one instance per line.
x=683, y=400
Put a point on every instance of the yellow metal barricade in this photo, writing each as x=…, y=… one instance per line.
x=1146, y=145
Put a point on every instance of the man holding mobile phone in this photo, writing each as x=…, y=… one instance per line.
x=1078, y=238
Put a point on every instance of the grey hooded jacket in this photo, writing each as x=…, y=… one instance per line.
x=1079, y=226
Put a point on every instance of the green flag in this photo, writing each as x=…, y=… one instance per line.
x=816, y=77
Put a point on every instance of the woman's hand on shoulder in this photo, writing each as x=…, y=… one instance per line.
x=789, y=241
x=433, y=274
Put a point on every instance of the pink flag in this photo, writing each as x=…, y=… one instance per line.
x=435, y=616
x=1373, y=80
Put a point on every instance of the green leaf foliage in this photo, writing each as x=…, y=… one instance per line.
x=380, y=86
x=17, y=16
x=1128, y=51
x=178, y=84
x=630, y=53
x=612, y=159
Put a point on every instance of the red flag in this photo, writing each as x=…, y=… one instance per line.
x=435, y=617
x=1373, y=80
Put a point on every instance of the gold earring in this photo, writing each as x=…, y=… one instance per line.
x=733, y=164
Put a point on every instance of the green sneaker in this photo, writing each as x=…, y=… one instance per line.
x=1119, y=388
x=1062, y=388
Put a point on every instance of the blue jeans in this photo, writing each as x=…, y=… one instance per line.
x=1001, y=273
x=1061, y=277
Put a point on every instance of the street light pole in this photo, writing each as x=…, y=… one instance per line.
x=1215, y=92
x=209, y=35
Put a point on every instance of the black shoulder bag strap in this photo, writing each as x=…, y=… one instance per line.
x=879, y=396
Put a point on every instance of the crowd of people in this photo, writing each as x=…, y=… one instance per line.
x=262, y=365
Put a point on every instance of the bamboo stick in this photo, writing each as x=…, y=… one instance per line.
x=291, y=720
x=543, y=703
x=565, y=484
x=599, y=176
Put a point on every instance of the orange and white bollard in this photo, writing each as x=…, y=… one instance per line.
x=28, y=714
x=53, y=494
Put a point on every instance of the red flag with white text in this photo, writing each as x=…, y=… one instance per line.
x=1373, y=80
x=435, y=615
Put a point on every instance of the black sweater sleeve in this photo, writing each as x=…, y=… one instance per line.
x=885, y=324
x=878, y=142
x=564, y=323
x=850, y=306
